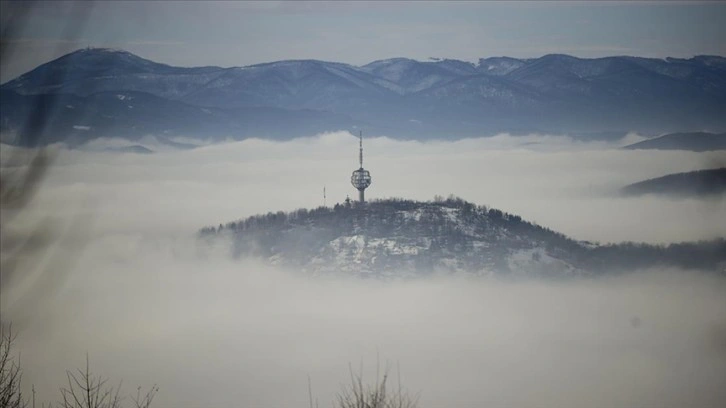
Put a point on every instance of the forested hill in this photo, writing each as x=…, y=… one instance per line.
x=711, y=182
x=397, y=238
x=693, y=141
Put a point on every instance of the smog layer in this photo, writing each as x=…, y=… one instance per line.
x=125, y=280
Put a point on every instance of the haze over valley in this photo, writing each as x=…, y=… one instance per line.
x=264, y=315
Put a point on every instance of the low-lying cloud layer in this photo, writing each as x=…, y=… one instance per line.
x=150, y=306
x=216, y=333
x=562, y=184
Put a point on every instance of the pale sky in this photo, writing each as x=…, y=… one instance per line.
x=243, y=33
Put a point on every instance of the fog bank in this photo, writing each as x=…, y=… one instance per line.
x=212, y=332
x=126, y=282
x=565, y=185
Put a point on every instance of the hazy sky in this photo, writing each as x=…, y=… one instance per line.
x=243, y=33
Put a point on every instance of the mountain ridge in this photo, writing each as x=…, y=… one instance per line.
x=406, y=98
x=32, y=120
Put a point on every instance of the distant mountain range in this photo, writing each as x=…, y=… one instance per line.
x=399, y=238
x=693, y=141
x=690, y=184
x=47, y=118
x=101, y=92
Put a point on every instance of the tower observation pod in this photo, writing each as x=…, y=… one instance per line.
x=361, y=178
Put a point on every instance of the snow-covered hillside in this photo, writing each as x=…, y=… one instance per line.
x=399, y=238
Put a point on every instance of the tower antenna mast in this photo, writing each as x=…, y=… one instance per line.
x=361, y=178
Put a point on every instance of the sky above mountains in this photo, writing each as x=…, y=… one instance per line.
x=244, y=33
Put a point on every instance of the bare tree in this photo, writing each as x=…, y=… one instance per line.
x=376, y=395
x=86, y=390
x=10, y=373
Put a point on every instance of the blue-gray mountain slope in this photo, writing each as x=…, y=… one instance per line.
x=710, y=182
x=693, y=141
x=407, y=98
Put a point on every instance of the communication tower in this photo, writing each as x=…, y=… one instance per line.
x=361, y=178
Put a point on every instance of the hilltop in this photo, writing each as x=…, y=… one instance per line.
x=399, y=238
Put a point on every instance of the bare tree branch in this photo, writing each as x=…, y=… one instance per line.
x=376, y=395
x=10, y=372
